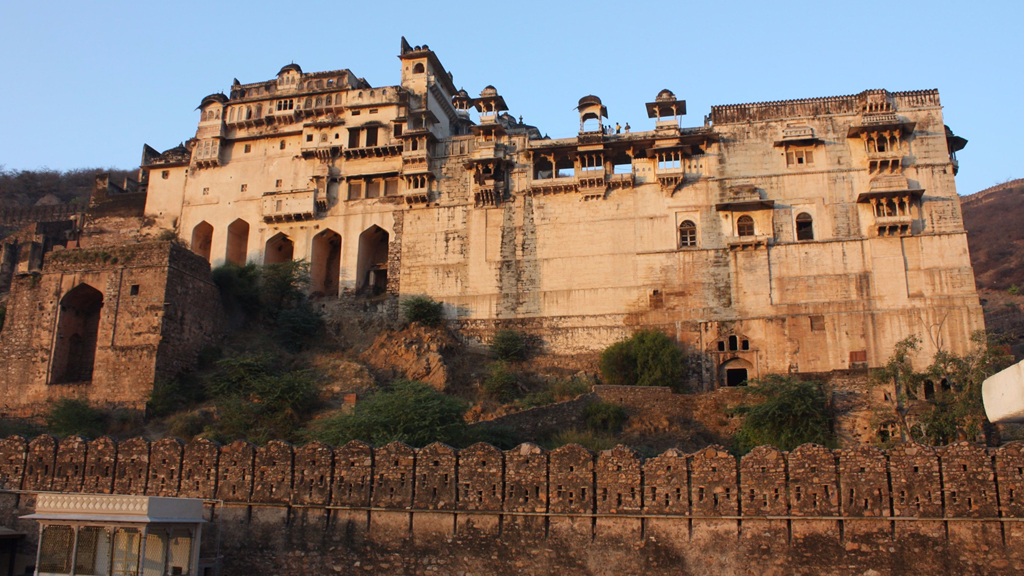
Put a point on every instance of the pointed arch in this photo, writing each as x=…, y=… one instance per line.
x=238, y=242
x=202, y=239
x=325, y=263
x=280, y=249
x=74, y=353
x=372, y=263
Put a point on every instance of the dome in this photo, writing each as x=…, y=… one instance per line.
x=590, y=99
x=463, y=94
x=664, y=95
x=292, y=66
x=488, y=92
x=213, y=98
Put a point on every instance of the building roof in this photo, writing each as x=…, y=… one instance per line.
x=117, y=508
x=292, y=66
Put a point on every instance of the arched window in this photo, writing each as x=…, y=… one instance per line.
x=309, y=103
x=745, y=226
x=248, y=112
x=327, y=100
x=804, y=226
x=259, y=110
x=231, y=115
x=687, y=234
x=733, y=343
x=319, y=101
x=418, y=68
x=77, y=335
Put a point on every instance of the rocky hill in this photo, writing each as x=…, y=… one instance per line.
x=996, y=235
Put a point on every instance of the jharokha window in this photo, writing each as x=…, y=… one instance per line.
x=745, y=226
x=687, y=234
x=804, y=226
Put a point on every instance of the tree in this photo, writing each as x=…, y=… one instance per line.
x=509, y=345
x=70, y=416
x=900, y=382
x=788, y=412
x=422, y=309
x=647, y=358
x=408, y=411
x=958, y=406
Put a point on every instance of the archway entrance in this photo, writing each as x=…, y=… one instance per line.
x=238, y=242
x=372, y=264
x=735, y=372
x=202, y=239
x=280, y=249
x=77, y=330
x=325, y=263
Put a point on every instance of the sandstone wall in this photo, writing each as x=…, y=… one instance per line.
x=436, y=510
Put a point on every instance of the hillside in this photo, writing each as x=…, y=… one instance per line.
x=995, y=234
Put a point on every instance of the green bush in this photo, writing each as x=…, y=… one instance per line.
x=187, y=426
x=169, y=396
x=422, y=309
x=297, y=327
x=259, y=401
x=1013, y=290
x=605, y=417
x=509, y=345
x=647, y=358
x=70, y=416
x=408, y=411
x=501, y=383
x=787, y=413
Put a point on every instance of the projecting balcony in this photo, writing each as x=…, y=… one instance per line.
x=747, y=242
x=900, y=220
x=559, y=185
x=394, y=149
x=291, y=205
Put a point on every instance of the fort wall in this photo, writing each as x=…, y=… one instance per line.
x=399, y=510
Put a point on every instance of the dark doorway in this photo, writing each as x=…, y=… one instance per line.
x=77, y=332
x=736, y=377
x=372, y=264
x=326, y=263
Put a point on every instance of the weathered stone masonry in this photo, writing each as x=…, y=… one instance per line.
x=962, y=493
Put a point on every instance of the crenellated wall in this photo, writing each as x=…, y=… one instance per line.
x=863, y=504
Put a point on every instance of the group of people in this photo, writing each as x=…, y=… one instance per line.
x=617, y=130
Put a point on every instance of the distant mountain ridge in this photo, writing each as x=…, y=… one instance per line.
x=995, y=234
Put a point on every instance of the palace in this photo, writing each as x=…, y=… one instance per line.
x=799, y=236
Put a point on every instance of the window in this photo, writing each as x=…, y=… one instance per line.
x=745, y=226
x=353, y=137
x=206, y=191
x=418, y=68
x=799, y=157
x=859, y=356
x=134, y=291
x=281, y=145
x=733, y=343
x=278, y=205
x=687, y=234
x=391, y=187
x=248, y=148
x=245, y=187
x=817, y=323
x=55, y=547
x=373, y=188
x=309, y=137
x=355, y=190
x=277, y=184
x=371, y=136
x=165, y=174
x=804, y=226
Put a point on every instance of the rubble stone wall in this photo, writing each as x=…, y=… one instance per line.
x=399, y=510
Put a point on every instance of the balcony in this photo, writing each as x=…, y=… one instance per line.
x=743, y=199
x=554, y=185
x=291, y=205
x=747, y=242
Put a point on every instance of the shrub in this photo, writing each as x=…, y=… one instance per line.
x=509, y=345
x=590, y=440
x=605, y=417
x=409, y=411
x=1013, y=290
x=296, y=327
x=501, y=384
x=70, y=416
x=239, y=288
x=422, y=309
x=187, y=426
x=647, y=358
x=557, y=391
x=283, y=285
x=169, y=396
x=789, y=413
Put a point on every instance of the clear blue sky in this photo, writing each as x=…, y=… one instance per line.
x=88, y=83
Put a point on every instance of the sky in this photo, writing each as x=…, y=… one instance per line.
x=89, y=83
